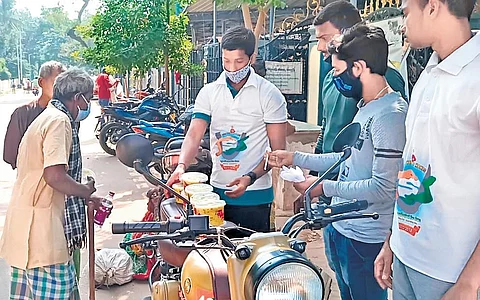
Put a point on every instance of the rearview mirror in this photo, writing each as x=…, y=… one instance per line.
x=347, y=137
x=132, y=147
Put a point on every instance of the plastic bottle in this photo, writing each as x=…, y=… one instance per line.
x=104, y=210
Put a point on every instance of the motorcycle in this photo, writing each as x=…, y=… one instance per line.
x=116, y=121
x=228, y=262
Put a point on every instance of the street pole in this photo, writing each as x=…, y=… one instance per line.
x=30, y=66
x=271, y=22
x=21, y=57
x=18, y=63
x=214, y=21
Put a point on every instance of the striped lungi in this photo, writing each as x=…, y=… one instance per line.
x=50, y=282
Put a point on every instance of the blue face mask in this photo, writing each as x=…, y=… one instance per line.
x=83, y=114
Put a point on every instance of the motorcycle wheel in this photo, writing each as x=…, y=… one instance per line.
x=109, y=136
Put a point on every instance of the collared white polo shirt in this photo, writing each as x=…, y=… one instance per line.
x=238, y=130
x=437, y=217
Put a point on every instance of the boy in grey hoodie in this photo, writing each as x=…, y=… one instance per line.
x=359, y=59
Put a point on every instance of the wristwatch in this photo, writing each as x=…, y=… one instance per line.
x=253, y=177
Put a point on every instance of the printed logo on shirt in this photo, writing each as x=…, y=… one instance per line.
x=230, y=147
x=344, y=175
x=413, y=191
x=365, y=134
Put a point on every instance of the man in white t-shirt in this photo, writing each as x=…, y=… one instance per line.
x=436, y=226
x=247, y=115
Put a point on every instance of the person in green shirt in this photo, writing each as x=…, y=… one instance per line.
x=336, y=111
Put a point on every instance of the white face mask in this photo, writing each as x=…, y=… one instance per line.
x=239, y=75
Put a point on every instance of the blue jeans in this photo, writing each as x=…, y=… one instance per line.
x=352, y=262
x=104, y=102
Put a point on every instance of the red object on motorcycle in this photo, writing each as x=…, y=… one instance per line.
x=137, y=130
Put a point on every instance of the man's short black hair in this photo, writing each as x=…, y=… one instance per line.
x=342, y=14
x=239, y=38
x=362, y=42
x=458, y=8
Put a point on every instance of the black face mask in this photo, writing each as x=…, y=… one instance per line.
x=348, y=85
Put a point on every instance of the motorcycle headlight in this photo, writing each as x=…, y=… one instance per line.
x=165, y=110
x=290, y=281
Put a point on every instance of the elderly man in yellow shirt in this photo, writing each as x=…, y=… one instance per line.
x=46, y=220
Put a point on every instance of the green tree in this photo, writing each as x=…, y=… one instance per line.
x=4, y=72
x=43, y=38
x=139, y=35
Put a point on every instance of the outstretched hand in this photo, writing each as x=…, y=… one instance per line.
x=279, y=158
x=242, y=183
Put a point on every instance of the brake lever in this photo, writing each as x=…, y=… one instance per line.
x=323, y=222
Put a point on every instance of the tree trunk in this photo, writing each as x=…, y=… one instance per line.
x=127, y=84
x=167, y=75
x=71, y=32
x=262, y=15
x=247, y=19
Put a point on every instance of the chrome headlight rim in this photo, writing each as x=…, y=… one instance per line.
x=269, y=261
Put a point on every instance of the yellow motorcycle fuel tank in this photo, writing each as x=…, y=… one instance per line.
x=166, y=290
x=204, y=275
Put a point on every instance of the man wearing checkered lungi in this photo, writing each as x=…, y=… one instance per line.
x=46, y=219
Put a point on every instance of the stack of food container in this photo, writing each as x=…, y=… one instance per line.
x=204, y=201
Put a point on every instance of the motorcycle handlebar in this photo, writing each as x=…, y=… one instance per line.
x=349, y=216
x=149, y=238
x=122, y=228
x=177, y=236
x=342, y=208
x=326, y=214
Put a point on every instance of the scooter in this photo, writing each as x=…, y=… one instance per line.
x=229, y=262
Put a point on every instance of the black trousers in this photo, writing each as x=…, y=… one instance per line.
x=256, y=217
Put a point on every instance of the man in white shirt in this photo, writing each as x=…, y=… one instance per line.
x=436, y=226
x=247, y=115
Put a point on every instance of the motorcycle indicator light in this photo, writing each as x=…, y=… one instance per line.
x=243, y=252
x=299, y=246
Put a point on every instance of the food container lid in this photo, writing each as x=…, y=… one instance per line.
x=194, y=177
x=204, y=197
x=211, y=204
x=198, y=188
x=177, y=186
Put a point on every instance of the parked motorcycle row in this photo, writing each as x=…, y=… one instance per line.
x=196, y=260
x=155, y=115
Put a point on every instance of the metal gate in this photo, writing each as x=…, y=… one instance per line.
x=292, y=46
